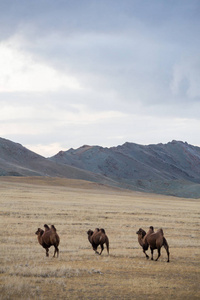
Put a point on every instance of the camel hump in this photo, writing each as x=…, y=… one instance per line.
x=103, y=230
x=161, y=231
x=46, y=227
x=53, y=227
x=152, y=228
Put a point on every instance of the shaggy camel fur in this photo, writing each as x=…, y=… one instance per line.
x=155, y=240
x=98, y=237
x=48, y=238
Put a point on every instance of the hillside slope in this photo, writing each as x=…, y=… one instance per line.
x=175, y=160
x=172, y=168
x=16, y=160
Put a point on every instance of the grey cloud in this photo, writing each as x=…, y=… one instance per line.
x=137, y=58
x=69, y=16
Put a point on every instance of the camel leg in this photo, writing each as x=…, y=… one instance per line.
x=165, y=244
x=102, y=247
x=107, y=245
x=95, y=249
x=167, y=250
x=147, y=256
x=167, y=256
x=56, y=250
x=158, y=254
x=151, y=254
x=47, y=251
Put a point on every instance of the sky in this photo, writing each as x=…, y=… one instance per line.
x=99, y=72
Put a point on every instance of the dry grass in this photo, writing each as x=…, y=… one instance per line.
x=74, y=207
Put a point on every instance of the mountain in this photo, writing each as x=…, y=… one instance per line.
x=172, y=168
x=16, y=160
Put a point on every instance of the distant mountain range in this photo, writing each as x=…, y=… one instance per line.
x=170, y=169
x=16, y=160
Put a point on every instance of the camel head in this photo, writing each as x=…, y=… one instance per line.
x=141, y=232
x=39, y=232
x=90, y=232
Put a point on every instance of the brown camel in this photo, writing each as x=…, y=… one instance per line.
x=155, y=240
x=48, y=238
x=98, y=237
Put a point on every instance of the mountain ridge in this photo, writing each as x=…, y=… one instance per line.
x=16, y=160
x=153, y=168
x=166, y=161
x=170, y=169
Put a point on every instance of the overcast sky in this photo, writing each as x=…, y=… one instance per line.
x=99, y=72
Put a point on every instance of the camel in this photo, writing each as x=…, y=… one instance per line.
x=48, y=238
x=154, y=240
x=98, y=237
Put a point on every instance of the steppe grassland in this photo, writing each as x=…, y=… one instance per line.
x=74, y=207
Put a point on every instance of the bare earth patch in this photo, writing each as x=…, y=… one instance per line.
x=74, y=206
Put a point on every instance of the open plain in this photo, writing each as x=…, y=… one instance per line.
x=74, y=206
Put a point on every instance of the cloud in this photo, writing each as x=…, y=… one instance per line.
x=20, y=72
x=186, y=78
x=99, y=72
x=108, y=133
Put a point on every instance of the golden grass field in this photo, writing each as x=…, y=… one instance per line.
x=74, y=207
